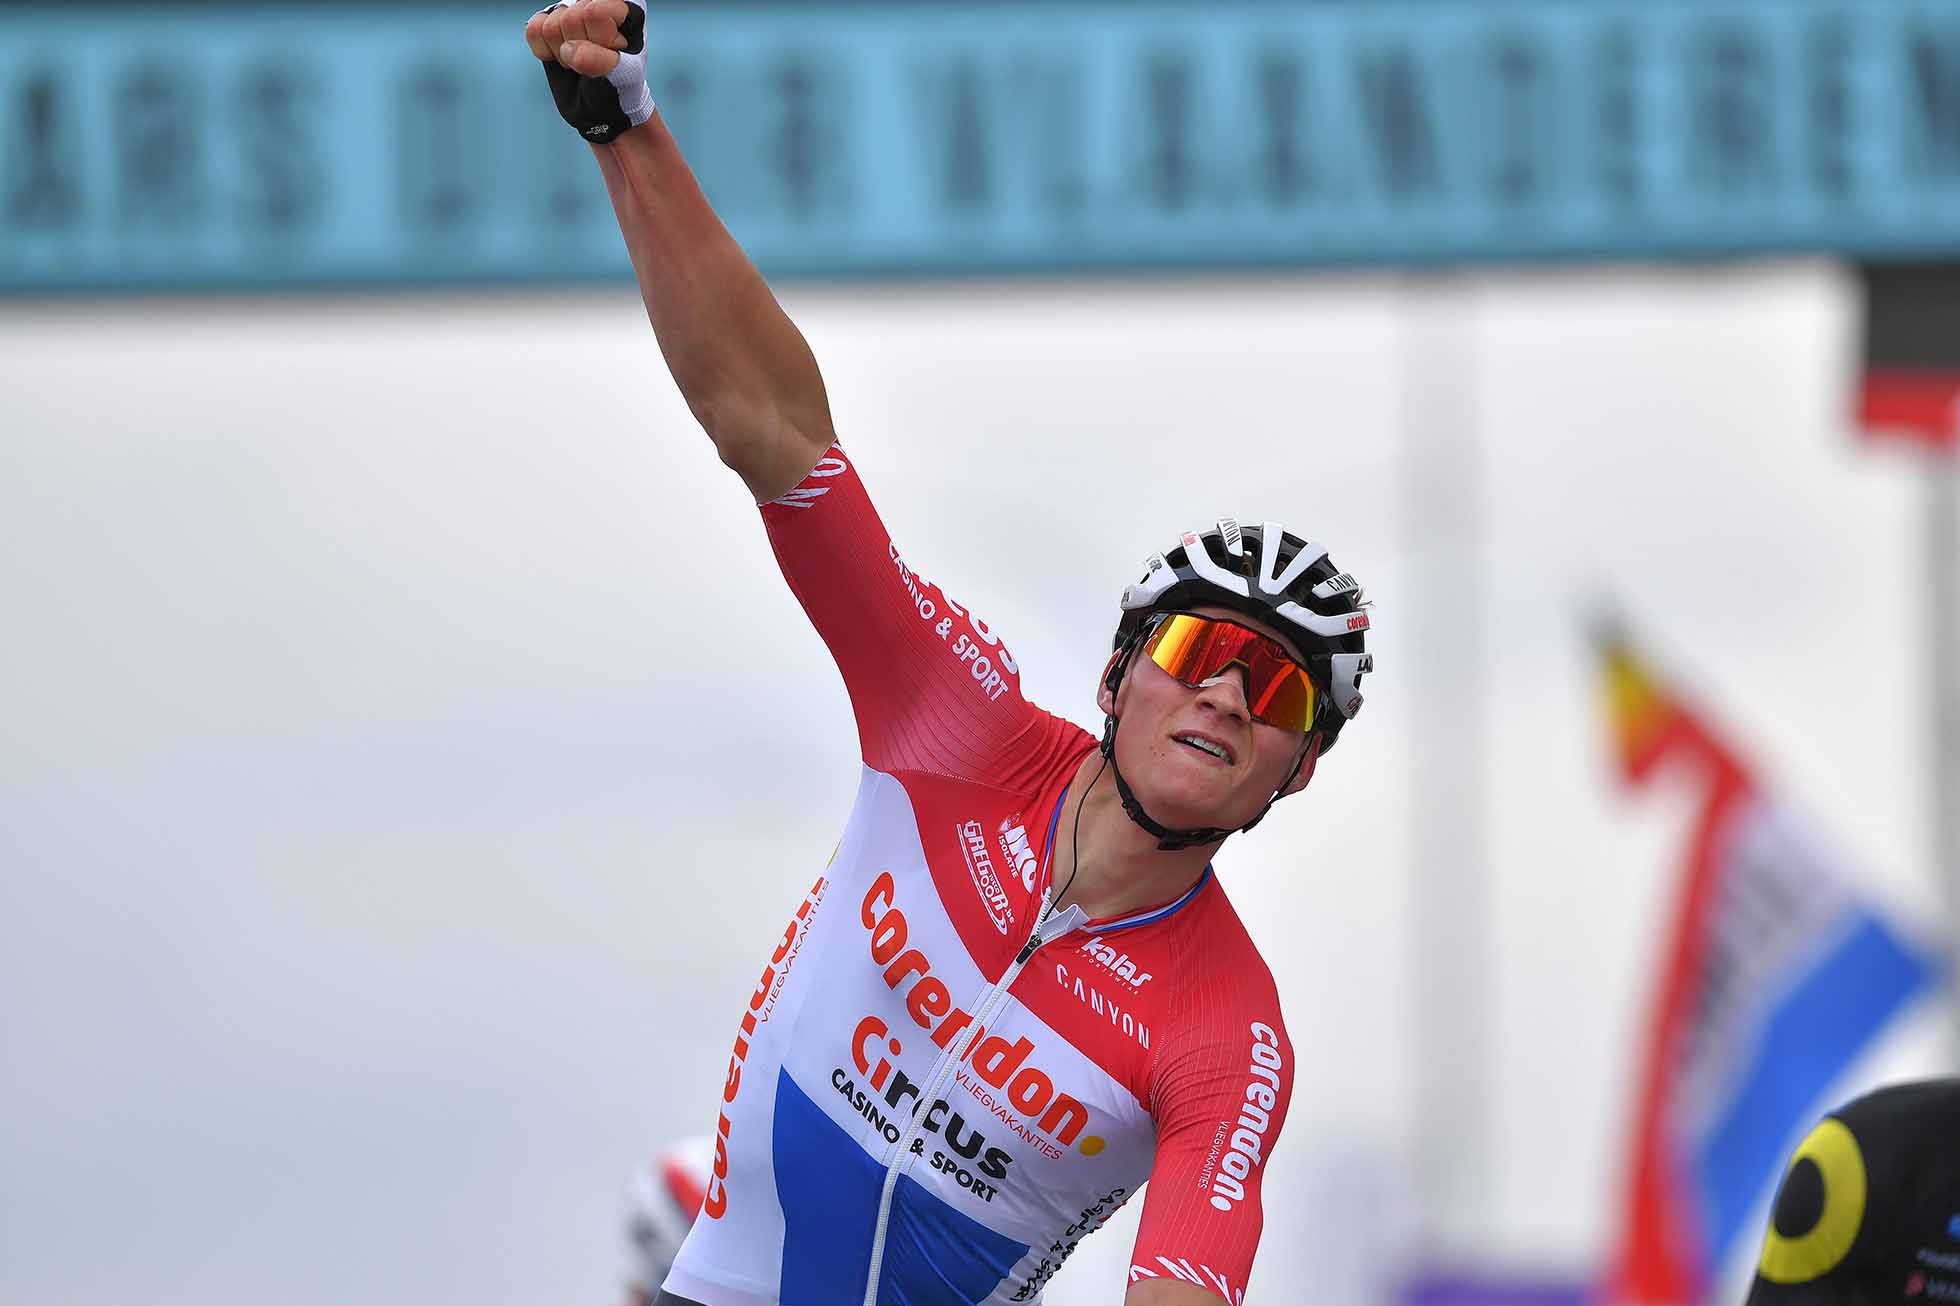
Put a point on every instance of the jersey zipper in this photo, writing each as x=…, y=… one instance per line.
x=1047, y=928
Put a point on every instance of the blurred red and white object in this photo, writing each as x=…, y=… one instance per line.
x=662, y=1200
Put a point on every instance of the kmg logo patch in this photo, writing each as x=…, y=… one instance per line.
x=1014, y=846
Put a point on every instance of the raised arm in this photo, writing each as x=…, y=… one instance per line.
x=745, y=370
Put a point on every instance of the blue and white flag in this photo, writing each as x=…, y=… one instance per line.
x=1776, y=974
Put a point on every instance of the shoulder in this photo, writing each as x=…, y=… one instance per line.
x=1220, y=970
x=1224, y=1020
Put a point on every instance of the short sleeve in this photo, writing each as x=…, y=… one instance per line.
x=932, y=686
x=1219, y=1102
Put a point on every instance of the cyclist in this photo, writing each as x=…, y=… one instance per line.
x=1869, y=1208
x=1017, y=991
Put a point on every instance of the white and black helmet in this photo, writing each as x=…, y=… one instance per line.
x=1277, y=577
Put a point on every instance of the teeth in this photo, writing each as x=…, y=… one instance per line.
x=1204, y=744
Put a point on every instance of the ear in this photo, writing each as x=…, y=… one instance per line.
x=1105, y=696
x=1308, y=761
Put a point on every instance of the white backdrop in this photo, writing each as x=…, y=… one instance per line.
x=386, y=849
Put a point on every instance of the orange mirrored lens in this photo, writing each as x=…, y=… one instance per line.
x=1194, y=649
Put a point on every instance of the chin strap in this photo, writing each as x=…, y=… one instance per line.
x=1169, y=840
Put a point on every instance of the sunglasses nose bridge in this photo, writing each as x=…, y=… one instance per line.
x=1242, y=682
x=1235, y=671
x=1241, y=701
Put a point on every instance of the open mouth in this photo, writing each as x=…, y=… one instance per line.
x=1209, y=747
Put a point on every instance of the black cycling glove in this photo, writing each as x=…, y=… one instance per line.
x=603, y=107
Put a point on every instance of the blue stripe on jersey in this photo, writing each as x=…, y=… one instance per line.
x=829, y=1190
x=1155, y=914
x=935, y=1255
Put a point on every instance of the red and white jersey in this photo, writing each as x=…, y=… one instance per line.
x=935, y=1093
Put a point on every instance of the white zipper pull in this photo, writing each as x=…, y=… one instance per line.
x=1050, y=929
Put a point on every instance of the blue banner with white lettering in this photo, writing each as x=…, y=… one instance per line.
x=306, y=144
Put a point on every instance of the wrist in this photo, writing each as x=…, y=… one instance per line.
x=635, y=96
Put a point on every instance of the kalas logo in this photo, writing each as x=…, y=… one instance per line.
x=979, y=865
x=1116, y=963
x=1014, y=844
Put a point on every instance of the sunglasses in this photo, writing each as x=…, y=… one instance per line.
x=1196, y=649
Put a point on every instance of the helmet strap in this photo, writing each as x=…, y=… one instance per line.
x=1168, y=839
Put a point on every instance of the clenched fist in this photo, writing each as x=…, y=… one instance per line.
x=594, y=55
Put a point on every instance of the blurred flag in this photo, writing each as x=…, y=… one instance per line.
x=1775, y=975
x=1911, y=384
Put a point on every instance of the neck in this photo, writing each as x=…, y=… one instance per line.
x=1115, y=867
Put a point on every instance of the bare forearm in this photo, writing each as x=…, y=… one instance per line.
x=743, y=367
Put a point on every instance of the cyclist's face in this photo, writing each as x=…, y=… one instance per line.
x=1171, y=735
